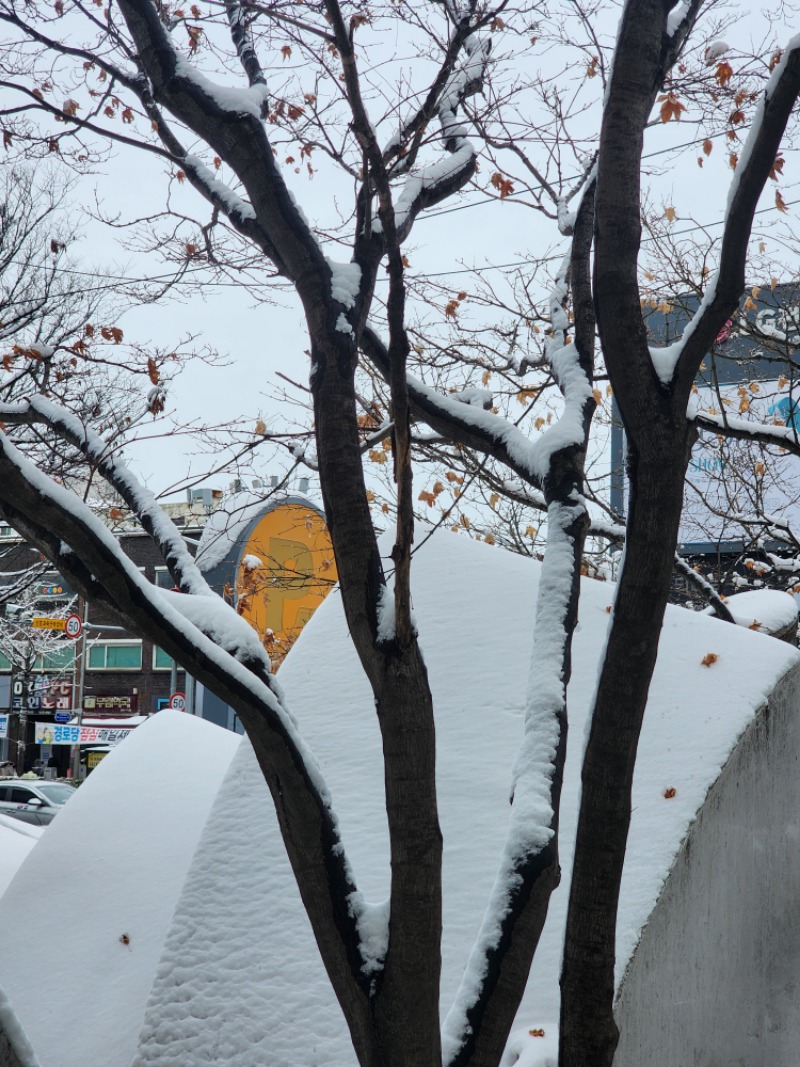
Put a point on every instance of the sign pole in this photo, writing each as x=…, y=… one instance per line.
x=22, y=725
x=76, y=752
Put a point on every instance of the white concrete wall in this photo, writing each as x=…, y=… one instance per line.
x=715, y=980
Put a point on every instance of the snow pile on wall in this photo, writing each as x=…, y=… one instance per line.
x=769, y=611
x=85, y=918
x=240, y=980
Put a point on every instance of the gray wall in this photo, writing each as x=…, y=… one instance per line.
x=715, y=980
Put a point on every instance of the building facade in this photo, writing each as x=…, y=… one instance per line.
x=269, y=555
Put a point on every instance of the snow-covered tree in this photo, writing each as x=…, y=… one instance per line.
x=216, y=95
x=35, y=656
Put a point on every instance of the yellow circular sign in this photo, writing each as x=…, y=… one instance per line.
x=285, y=572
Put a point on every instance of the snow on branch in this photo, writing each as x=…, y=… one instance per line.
x=468, y=424
x=230, y=121
x=251, y=663
x=567, y=218
x=464, y=82
x=16, y=582
x=237, y=101
x=216, y=646
x=705, y=588
x=219, y=194
x=243, y=43
x=746, y=430
x=528, y=867
x=755, y=160
x=430, y=184
x=569, y=431
x=141, y=501
x=449, y=89
x=536, y=772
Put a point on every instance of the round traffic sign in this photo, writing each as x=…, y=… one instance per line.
x=177, y=701
x=73, y=626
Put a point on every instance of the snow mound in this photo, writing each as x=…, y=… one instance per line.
x=16, y=840
x=85, y=918
x=240, y=980
x=768, y=610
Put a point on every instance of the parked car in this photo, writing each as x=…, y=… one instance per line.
x=36, y=803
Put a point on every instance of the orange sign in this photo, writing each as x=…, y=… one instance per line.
x=285, y=572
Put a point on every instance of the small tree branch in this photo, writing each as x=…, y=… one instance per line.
x=758, y=156
x=39, y=410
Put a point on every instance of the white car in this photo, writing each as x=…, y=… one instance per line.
x=33, y=802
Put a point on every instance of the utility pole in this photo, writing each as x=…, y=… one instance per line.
x=76, y=749
x=25, y=683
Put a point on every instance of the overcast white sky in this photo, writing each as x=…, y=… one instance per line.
x=261, y=340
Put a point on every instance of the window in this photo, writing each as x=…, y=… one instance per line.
x=56, y=792
x=163, y=579
x=161, y=661
x=59, y=659
x=22, y=796
x=115, y=656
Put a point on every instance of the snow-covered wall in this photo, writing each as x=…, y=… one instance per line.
x=715, y=981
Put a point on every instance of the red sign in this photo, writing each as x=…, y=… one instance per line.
x=73, y=626
x=178, y=702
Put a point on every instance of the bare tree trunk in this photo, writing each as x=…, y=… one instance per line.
x=588, y=1032
x=405, y=997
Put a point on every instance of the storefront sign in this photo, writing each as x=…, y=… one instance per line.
x=44, y=622
x=44, y=695
x=79, y=735
x=3, y=726
x=110, y=705
x=93, y=758
x=53, y=589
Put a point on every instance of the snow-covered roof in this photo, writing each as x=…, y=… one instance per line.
x=239, y=980
x=227, y=523
x=224, y=526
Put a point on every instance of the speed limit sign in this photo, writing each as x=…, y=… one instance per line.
x=73, y=626
x=178, y=702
